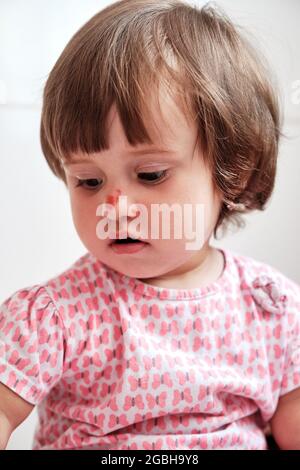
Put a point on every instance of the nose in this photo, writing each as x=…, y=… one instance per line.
x=113, y=198
x=124, y=207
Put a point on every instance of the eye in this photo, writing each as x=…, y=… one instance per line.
x=153, y=176
x=92, y=183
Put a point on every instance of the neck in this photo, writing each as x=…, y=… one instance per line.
x=204, y=267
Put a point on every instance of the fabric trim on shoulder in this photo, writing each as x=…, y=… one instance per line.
x=32, y=343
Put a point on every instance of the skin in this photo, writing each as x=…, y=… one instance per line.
x=163, y=262
x=113, y=198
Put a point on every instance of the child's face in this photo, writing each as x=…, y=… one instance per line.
x=187, y=181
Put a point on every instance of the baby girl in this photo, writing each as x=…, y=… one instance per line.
x=145, y=342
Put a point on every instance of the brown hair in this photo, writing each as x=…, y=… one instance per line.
x=220, y=78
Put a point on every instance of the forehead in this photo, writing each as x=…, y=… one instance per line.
x=169, y=128
x=167, y=123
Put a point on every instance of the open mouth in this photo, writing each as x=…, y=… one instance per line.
x=128, y=245
x=128, y=240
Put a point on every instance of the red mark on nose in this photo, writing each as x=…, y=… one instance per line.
x=113, y=198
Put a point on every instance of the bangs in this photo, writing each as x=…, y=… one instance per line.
x=111, y=63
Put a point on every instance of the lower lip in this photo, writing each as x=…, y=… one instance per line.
x=128, y=248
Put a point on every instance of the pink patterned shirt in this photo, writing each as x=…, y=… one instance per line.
x=114, y=363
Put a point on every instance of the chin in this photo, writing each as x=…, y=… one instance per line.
x=139, y=274
x=135, y=271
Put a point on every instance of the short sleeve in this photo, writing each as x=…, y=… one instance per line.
x=32, y=343
x=280, y=296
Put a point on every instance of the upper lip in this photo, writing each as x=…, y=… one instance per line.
x=123, y=235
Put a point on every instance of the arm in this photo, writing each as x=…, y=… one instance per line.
x=13, y=411
x=285, y=423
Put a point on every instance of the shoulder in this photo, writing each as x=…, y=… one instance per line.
x=27, y=314
x=78, y=281
x=32, y=342
x=83, y=289
x=26, y=299
x=265, y=284
x=82, y=278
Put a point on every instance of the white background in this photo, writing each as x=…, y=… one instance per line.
x=37, y=238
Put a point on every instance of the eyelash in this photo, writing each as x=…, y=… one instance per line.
x=83, y=181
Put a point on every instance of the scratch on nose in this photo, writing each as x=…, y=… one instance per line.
x=113, y=198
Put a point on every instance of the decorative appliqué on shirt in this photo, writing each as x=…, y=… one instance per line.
x=267, y=294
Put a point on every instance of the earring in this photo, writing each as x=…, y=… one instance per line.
x=61, y=162
x=235, y=206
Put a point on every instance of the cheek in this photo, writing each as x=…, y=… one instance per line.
x=203, y=187
x=84, y=214
x=202, y=192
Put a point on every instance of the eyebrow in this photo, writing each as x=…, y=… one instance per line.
x=132, y=152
